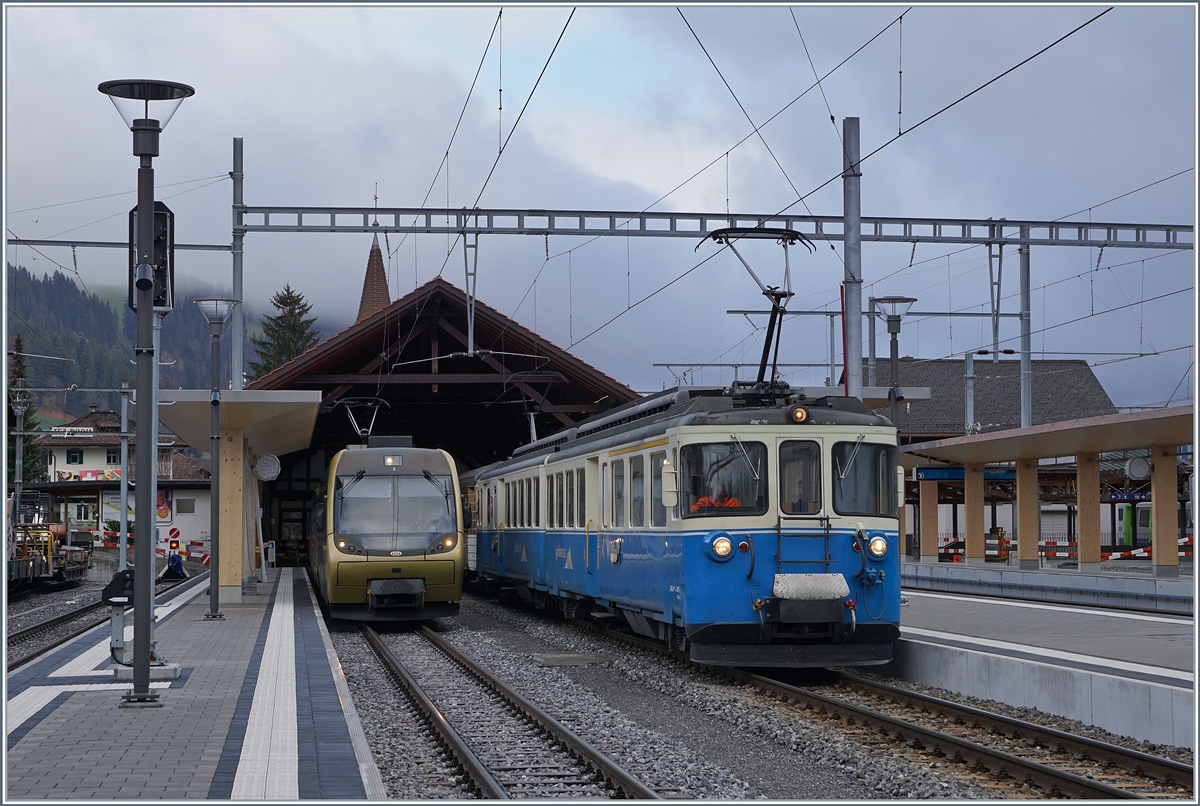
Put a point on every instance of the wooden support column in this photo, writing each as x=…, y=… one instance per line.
x=973, y=511
x=1087, y=500
x=232, y=514
x=929, y=521
x=1028, y=515
x=1164, y=509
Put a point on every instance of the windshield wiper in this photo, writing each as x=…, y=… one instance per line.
x=357, y=478
x=854, y=453
x=745, y=455
x=443, y=487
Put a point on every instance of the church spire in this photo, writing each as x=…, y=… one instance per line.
x=375, y=296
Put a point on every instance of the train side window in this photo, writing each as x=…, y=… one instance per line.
x=637, y=491
x=550, y=521
x=799, y=477
x=658, y=512
x=521, y=502
x=570, y=491
x=580, y=513
x=558, y=502
x=605, y=497
x=536, y=495
x=619, y=493
x=510, y=519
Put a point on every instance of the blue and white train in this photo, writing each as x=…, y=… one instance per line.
x=747, y=531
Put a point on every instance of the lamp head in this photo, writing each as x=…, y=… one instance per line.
x=132, y=98
x=894, y=307
x=216, y=309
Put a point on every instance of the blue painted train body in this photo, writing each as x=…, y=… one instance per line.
x=750, y=532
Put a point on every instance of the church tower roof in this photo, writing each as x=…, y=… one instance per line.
x=375, y=296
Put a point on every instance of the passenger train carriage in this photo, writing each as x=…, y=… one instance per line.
x=748, y=531
x=386, y=538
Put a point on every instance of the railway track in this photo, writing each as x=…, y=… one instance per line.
x=1017, y=756
x=506, y=745
x=59, y=630
x=1005, y=755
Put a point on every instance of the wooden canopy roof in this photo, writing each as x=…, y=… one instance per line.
x=412, y=356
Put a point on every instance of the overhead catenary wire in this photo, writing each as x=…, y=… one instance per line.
x=112, y=195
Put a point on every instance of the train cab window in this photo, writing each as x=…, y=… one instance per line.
x=658, y=512
x=619, y=493
x=864, y=478
x=558, y=502
x=386, y=513
x=537, y=501
x=723, y=479
x=579, y=513
x=488, y=506
x=550, y=522
x=800, y=477
x=637, y=491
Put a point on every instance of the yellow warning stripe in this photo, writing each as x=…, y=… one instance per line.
x=643, y=446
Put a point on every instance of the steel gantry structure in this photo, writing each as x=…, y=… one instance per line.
x=851, y=228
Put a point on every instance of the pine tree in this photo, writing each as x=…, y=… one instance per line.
x=285, y=335
x=34, y=456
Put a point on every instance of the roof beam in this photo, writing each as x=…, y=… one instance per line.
x=415, y=378
x=375, y=362
x=540, y=399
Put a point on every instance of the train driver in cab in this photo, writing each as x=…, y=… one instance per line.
x=719, y=497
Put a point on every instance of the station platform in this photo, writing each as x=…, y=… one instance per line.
x=1029, y=638
x=260, y=710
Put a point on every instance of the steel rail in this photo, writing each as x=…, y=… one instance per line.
x=1040, y=774
x=488, y=786
x=1046, y=777
x=1165, y=769
x=54, y=622
x=632, y=786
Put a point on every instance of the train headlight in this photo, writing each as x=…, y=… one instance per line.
x=798, y=414
x=877, y=546
x=341, y=544
x=719, y=545
x=445, y=543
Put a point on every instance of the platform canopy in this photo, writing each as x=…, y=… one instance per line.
x=1112, y=432
x=275, y=421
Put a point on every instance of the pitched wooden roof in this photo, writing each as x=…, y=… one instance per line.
x=412, y=354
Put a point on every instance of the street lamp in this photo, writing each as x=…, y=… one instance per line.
x=216, y=310
x=893, y=309
x=132, y=98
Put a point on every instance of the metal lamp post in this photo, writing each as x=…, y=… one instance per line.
x=19, y=401
x=216, y=311
x=893, y=309
x=132, y=98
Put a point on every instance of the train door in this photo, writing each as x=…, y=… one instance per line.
x=589, y=515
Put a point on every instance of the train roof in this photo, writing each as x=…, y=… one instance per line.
x=681, y=406
x=413, y=460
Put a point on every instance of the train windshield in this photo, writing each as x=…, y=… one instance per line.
x=384, y=513
x=723, y=478
x=864, y=479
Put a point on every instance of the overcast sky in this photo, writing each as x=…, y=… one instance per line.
x=333, y=101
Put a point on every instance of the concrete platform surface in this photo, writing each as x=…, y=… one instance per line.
x=259, y=692
x=1128, y=672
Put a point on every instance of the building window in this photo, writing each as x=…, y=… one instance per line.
x=112, y=456
x=185, y=506
x=74, y=456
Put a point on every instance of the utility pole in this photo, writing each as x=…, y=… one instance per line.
x=852, y=233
